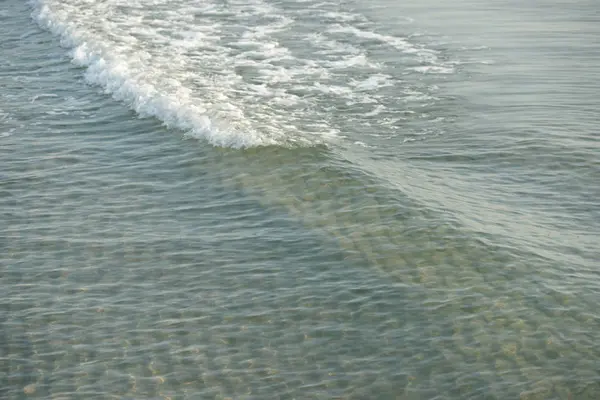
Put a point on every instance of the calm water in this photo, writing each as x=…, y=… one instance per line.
x=299, y=199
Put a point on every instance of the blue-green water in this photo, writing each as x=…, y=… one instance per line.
x=299, y=200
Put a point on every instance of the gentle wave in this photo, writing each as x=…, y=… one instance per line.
x=127, y=74
x=234, y=74
x=138, y=265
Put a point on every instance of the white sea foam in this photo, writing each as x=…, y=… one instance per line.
x=42, y=95
x=401, y=44
x=373, y=82
x=376, y=111
x=433, y=69
x=232, y=73
x=166, y=67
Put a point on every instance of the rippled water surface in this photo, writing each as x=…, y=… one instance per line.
x=299, y=199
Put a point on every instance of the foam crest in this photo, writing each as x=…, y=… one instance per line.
x=241, y=73
x=144, y=61
x=396, y=42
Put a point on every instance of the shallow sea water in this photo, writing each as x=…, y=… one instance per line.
x=299, y=200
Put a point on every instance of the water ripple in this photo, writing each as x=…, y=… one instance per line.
x=136, y=262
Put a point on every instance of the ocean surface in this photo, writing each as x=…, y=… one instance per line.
x=317, y=199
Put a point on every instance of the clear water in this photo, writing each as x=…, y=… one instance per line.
x=299, y=199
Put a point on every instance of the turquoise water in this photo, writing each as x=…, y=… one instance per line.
x=299, y=200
